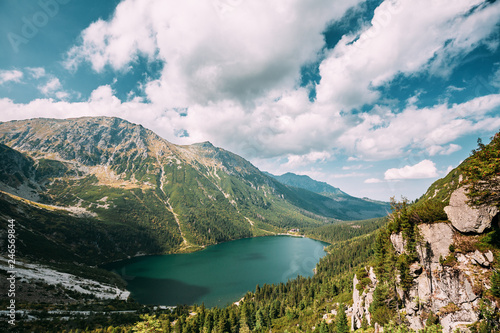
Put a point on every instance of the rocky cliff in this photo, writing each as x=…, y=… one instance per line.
x=450, y=277
x=437, y=260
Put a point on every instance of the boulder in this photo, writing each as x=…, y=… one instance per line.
x=489, y=256
x=469, y=219
x=440, y=237
x=479, y=258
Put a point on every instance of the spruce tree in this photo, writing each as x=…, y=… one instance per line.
x=341, y=320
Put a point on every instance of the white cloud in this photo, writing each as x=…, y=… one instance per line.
x=102, y=102
x=373, y=181
x=10, y=76
x=389, y=134
x=50, y=87
x=36, y=72
x=212, y=51
x=424, y=169
x=53, y=88
x=62, y=95
x=404, y=37
x=347, y=175
x=313, y=157
x=356, y=167
x=235, y=67
x=443, y=150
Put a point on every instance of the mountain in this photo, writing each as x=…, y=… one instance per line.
x=352, y=208
x=307, y=183
x=114, y=175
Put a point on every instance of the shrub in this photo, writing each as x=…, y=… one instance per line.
x=450, y=308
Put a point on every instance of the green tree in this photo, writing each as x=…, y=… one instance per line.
x=341, y=320
x=495, y=284
x=149, y=325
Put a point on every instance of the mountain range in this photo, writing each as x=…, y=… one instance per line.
x=88, y=191
x=113, y=188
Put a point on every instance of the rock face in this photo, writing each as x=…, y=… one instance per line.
x=439, y=236
x=398, y=242
x=469, y=219
x=362, y=301
x=447, y=290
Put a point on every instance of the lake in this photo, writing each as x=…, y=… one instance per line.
x=220, y=274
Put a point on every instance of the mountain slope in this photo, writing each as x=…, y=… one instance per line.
x=121, y=175
x=307, y=183
x=346, y=206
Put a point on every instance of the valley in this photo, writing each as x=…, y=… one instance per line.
x=94, y=193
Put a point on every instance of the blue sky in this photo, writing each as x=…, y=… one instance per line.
x=378, y=98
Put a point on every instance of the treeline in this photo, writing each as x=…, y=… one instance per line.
x=344, y=230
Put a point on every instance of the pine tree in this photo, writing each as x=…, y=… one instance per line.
x=341, y=320
x=323, y=327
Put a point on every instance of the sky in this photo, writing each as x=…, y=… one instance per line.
x=378, y=98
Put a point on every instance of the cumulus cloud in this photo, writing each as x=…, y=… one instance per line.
x=373, y=181
x=424, y=169
x=404, y=37
x=313, y=157
x=443, y=150
x=389, y=134
x=102, y=102
x=212, y=51
x=50, y=86
x=36, y=72
x=10, y=76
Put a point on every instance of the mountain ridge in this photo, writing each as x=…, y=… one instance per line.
x=123, y=173
x=306, y=182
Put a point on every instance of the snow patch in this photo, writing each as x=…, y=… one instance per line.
x=35, y=272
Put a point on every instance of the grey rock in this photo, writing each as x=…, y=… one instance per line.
x=489, y=256
x=463, y=259
x=479, y=258
x=439, y=236
x=416, y=269
x=458, y=320
x=469, y=219
x=398, y=242
x=362, y=301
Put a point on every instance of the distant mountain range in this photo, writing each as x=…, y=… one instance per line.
x=355, y=208
x=114, y=189
x=307, y=183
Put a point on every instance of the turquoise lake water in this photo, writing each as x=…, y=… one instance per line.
x=220, y=274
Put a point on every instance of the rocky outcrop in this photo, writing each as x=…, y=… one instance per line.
x=469, y=219
x=398, y=242
x=450, y=290
x=439, y=236
x=362, y=301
